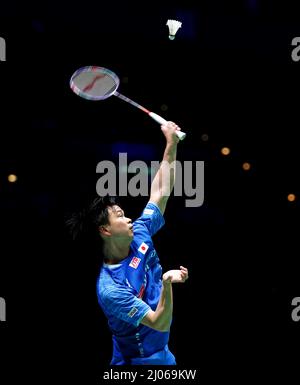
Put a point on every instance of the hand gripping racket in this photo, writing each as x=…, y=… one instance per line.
x=98, y=83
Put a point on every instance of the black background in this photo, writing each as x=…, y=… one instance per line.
x=228, y=74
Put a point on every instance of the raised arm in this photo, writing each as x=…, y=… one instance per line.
x=161, y=318
x=163, y=182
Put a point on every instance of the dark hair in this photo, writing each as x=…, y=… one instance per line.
x=85, y=223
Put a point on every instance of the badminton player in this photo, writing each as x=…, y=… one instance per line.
x=132, y=291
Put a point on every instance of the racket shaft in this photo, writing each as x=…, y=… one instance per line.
x=131, y=102
x=181, y=135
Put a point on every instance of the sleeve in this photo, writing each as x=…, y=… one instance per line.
x=152, y=218
x=123, y=305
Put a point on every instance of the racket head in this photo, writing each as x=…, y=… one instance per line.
x=94, y=83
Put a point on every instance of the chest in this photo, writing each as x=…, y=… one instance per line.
x=143, y=269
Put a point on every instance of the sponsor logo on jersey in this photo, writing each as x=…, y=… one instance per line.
x=135, y=262
x=132, y=312
x=148, y=211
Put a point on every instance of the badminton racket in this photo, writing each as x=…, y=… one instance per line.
x=98, y=83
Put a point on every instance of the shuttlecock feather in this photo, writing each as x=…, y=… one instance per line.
x=173, y=25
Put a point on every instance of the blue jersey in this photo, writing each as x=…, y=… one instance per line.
x=128, y=290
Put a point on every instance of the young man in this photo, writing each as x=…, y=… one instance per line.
x=137, y=303
x=132, y=292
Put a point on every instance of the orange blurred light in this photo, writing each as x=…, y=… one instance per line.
x=12, y=178
x=225, y=151
x=291, y=197
x=246, y=166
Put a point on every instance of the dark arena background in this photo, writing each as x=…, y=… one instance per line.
x=230, y=79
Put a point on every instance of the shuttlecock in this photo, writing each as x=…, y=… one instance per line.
x=173, y=25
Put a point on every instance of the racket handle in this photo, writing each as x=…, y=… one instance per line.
x=181, y=135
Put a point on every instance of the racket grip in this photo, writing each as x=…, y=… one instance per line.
x=181, y=135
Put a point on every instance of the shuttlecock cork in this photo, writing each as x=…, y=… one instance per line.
x=173, y=25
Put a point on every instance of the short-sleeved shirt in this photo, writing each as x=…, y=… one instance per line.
x=128, y=290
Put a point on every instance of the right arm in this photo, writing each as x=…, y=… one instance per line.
x=163, y=182
x=161, y=318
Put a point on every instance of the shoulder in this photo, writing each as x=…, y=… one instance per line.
x=106, y=284
x=151, y=219
x=151, y=212
x=113, y=292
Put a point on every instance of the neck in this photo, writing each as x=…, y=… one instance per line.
x=115, y=252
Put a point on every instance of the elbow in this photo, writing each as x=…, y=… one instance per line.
x=162, y=326
x=165, y=329
x=157, y=321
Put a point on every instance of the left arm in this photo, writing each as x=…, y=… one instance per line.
x=163, y=182
x=161, y=318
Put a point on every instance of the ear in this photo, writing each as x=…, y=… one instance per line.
x=104, y=231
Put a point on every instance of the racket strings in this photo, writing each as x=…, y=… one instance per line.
x=103, y=86
x=94, y=84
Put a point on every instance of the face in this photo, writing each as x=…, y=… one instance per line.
x=119, y=226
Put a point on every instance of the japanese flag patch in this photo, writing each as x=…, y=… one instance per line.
x=143, y=248
x=135, y=262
